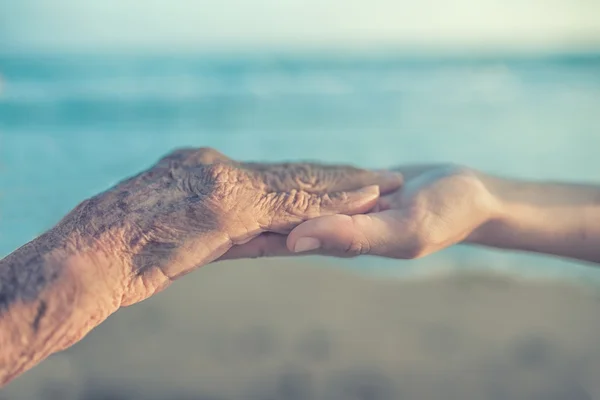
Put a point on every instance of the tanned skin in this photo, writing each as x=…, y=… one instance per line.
x=130, y=242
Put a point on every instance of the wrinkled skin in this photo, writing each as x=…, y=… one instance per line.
x=193, y=207
x=195, y=204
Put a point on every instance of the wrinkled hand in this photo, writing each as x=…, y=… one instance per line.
x=194, y=205
x=437, y=206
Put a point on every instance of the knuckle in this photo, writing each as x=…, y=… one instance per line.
x=313, y=204
x=324, y=200
x=346, y=177
x=220, y=175
x=286, y=177
x=207, y=155
x=301, y=203
x=215, y=172
x=177, y=155
x=312, y=177
x=337, y=198
x=359, y=244
x=193, y=156
x=202, y=180
x=357, y=248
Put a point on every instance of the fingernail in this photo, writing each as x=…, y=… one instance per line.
x=306, y=244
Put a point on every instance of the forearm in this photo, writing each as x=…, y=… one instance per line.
x=49, y=299
x=550, y=218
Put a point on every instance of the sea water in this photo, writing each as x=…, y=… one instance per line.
x=73, y=125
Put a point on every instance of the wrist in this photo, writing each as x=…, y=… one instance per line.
x=88, y=287
x=517, y=220
x=497, y=210
x=69, y=271
x=52, y=293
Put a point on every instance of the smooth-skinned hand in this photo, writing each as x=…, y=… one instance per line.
x=437, y=206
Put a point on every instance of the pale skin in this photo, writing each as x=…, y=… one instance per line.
x=442, y=205
x=197, y=206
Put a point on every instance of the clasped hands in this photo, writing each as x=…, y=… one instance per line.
x=196, y=206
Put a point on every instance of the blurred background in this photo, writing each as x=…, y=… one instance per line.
x=93, y=91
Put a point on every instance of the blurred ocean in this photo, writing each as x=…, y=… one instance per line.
x=73, y=125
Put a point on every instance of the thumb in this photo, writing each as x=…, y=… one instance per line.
x=344, y=235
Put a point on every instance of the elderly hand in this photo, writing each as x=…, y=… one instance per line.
x=194, y=205
x=131, y=241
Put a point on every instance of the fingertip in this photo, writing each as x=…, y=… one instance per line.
x=305, y=244
x=389, y=181
x=324, y=229
x=359, y=201
x=371, y=192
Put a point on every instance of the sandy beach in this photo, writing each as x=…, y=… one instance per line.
x=280, y=329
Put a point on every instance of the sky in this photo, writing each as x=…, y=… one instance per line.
x=288, y=24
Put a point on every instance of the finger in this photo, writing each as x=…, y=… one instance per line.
x=352, y=179
x=265, y=245
x=384, y=234
x=319, y=178
x=286, y=210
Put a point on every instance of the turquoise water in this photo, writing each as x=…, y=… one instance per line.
x=71, y=126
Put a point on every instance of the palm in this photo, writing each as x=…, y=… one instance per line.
x=437, y=206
